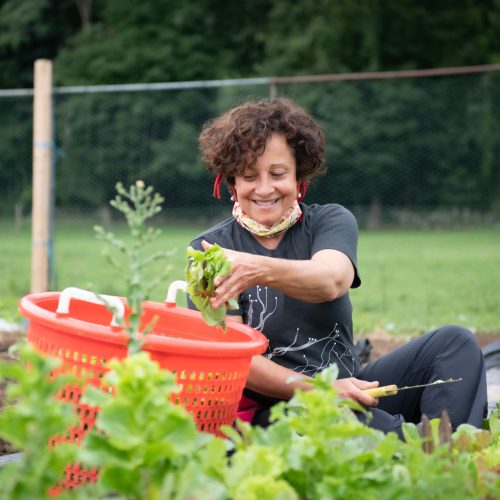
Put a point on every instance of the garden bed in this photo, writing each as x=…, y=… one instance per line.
x=381, y=341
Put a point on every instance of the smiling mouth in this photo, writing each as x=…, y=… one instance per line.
x=262, y=203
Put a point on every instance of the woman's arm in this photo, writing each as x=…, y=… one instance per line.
x=270, y=379
x=325, y=277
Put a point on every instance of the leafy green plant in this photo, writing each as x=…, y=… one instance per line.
x=147, y=447
x=144, y=445
x=30, y=420
x=138, y=204
x=201, y=270
x=317, y=447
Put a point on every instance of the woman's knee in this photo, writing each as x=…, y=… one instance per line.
x=454, y=343
x=454, y=335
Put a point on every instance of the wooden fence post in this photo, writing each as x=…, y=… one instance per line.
x=42, y=175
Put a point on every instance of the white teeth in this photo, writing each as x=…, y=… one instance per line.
x=265, y=203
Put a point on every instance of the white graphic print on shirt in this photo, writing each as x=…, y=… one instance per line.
x=334, y=350
x=263, y=302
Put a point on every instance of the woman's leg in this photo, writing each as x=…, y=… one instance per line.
x=448, y=352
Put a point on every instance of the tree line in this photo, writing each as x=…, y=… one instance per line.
x=439, y=134
x=111, y=41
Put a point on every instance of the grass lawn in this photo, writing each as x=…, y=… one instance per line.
x=416, y=280
x=412, y=280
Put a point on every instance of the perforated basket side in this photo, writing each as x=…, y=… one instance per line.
x=211, y=387
x=85, y=359
x=210, y=366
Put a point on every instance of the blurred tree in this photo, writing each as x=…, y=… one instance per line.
x=335, y=36
x=85, y=11
x=321, y=36
x=373, y=128
x=165, y=41
x=15, y=155
x=29, y=30
x=111, y=41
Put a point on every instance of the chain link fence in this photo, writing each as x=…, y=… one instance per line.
x=408, y=152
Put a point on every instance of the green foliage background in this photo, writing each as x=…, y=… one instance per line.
x=110, y=41
x=420, y=143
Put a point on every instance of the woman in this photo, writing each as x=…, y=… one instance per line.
x=292, y=267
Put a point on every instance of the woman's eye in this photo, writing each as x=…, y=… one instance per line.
x=249, y=177
x=277, y=174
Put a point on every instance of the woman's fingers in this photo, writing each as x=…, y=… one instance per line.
x=364, y=384
x=239, y=278
x=352, y=388
x=206, y=245
x=224, y=293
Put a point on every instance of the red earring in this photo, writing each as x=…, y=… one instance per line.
x=218, y=180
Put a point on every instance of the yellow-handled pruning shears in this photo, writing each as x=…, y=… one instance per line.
x=392, y=390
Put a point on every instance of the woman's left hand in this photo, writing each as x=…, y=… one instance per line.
x=353, y=388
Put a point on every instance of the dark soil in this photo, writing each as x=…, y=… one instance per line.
x=381, y=341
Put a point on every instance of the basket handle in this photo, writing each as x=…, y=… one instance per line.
x=174, y=287
x=109, y=301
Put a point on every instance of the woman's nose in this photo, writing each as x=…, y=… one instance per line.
x=264, y=186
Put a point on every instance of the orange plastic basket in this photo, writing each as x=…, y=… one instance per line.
x=211, y=365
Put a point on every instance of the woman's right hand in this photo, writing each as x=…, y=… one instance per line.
x=353, y=388
x=244, y=274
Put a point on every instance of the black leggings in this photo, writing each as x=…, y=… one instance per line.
x=448, y=352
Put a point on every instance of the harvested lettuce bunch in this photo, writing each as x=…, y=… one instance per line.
x=201, y=270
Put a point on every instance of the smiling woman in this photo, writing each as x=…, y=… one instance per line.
x=268, y=189
x=292, y=266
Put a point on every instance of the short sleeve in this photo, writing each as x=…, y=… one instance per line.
x=334, y=227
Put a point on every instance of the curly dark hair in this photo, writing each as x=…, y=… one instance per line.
x=235, y=140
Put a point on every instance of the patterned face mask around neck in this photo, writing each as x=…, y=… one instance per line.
x=286, y=221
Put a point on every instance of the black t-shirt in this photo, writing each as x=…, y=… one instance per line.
x=304, y=337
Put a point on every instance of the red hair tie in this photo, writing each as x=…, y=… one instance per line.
x=218, y=180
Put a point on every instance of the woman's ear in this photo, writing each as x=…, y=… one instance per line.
x=301, y=189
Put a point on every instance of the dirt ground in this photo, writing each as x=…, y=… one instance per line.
x=381, y=342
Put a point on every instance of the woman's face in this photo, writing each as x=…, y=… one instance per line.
x=268, y=189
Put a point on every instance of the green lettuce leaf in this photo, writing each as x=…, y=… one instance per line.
x=201, y=270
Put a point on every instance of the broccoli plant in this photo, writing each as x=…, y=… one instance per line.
x=137, y=204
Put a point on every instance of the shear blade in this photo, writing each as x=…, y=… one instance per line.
x=437, y=382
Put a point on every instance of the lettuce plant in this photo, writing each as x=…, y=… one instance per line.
x=32, y=416
x=201, y=270
x=145, y=446
x=317, y=447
